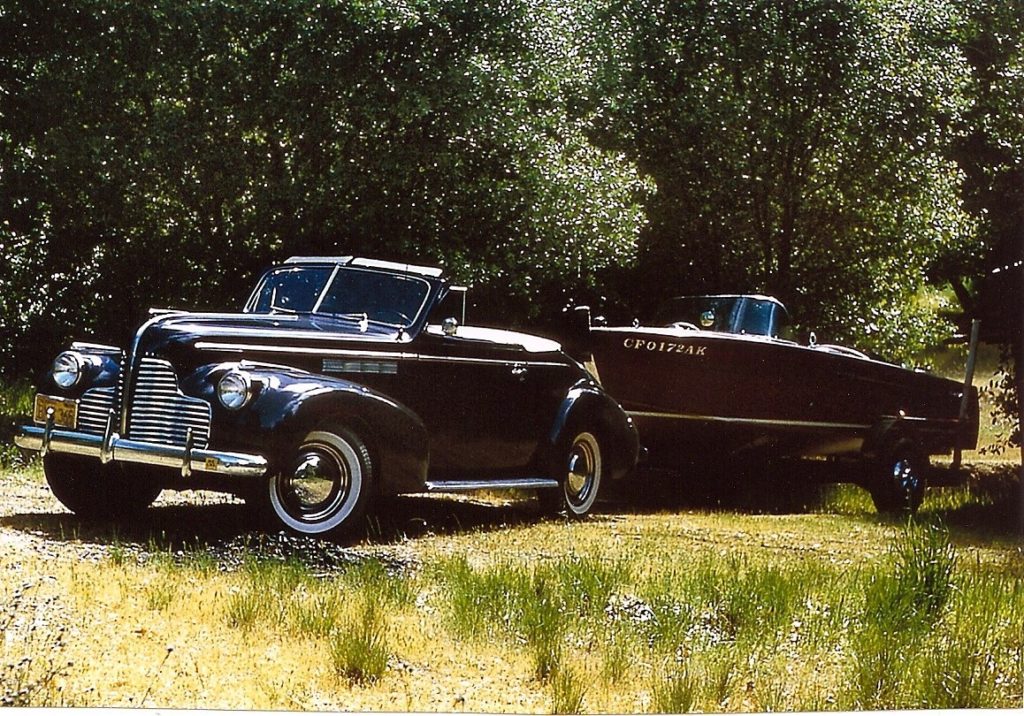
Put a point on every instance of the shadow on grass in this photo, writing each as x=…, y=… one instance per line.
x=191, y=527
x=743, y=487
x=987, y=507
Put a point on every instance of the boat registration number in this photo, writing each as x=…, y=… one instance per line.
x=65, y=411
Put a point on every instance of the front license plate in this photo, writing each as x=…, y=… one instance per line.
x=65, y=411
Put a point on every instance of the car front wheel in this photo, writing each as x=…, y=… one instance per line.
x=580, y=477
x=324, y=486
x=93, y=490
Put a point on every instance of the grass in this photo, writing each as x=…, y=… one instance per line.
x=542, y=606
x=674, y=692
x=31, y=671
x=16, y=401
x=698, y=611
x=568, y=691
x=360, y=650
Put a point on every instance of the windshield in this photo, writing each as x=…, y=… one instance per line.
x=751, y=315
x=352, y=293
x=292, y=290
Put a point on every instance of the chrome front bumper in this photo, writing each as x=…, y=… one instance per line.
x=112, y=447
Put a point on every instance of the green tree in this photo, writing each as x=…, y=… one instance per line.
x=163, y=152
x=988, y=146
x=796, y=150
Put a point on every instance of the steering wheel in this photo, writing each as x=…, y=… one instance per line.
x=684, y=324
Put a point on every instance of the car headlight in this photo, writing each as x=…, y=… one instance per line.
x=67, y=369
x=234, y=390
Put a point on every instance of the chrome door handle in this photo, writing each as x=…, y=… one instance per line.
x=519, y=370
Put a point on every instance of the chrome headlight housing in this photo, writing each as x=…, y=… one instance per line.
x=68, y=368
x=234, y=390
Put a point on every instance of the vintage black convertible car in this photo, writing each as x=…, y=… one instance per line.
x=342, y=379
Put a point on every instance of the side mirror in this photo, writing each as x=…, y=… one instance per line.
x=449, y=326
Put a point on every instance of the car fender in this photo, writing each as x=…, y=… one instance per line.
x=289, y=403
x=587, y=406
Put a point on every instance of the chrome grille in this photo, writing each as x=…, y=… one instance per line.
x=160, y=413
x=93, y=408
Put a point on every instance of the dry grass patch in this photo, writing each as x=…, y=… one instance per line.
x=674, y=610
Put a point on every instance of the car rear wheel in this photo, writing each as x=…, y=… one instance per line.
x=325, y=484
x=900, y=476
x=91, y=489
x=580, y=473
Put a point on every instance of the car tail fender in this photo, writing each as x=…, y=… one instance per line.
x=587, y=407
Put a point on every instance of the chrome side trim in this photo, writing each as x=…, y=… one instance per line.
x=300, y=350
x=31, y=437
x=916, y=419
x=747, y=421
x=519, y=483
x=369, y=355
x=512, y=363
x=94, y=347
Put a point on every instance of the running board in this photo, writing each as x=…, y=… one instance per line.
x=522, y=483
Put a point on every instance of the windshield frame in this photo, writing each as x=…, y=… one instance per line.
x=337, y=270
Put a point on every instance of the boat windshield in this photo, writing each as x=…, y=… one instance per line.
x=758, y=316
x=345, y=292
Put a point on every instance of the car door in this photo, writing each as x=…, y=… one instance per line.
x=487, y=404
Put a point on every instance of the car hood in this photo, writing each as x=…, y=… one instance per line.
x=177, y=331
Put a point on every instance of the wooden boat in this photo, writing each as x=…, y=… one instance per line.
x=718, y=375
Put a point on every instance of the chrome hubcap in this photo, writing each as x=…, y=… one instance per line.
x=317, y=484
x=582, y=468
x=905, y=476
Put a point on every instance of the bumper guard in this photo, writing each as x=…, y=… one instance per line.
x=112, y=446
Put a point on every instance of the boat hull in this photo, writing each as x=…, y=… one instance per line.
x=703, y=394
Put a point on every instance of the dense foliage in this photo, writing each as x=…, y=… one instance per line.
x=164, y=152
x=850, y=156
x=989, y=147
x=796, y=149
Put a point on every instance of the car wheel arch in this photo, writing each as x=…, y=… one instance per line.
x=586, y=407
x=394, y=436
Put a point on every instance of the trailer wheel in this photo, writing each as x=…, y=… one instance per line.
x=899, y=480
